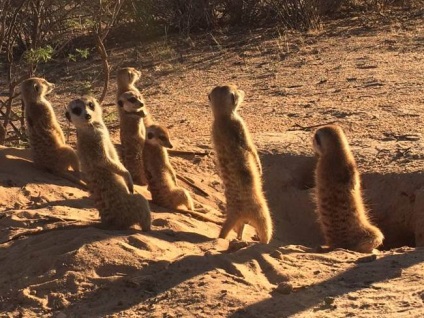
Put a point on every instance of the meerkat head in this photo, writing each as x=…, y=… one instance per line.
x=329, y=139
x=84, y=111
x=225, y=99
x=158, y=135
x=128, y=76
x=35, y=87
x=133, y=104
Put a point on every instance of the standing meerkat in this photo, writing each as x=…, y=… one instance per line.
x=126, y=79
x=239, y=166
x=161, y=176
x=108, y=180
x=48, y=148
x=131, y=107
x=341, y=211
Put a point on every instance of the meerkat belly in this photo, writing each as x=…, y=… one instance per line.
x=108, y=188
x=160, y=186
x=132, y=150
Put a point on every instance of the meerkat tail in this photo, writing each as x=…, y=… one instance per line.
x=68, y=176
x=264, y=227
x=143, y=211
x=372, y=240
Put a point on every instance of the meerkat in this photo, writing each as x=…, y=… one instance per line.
x=131, y=107
x=48, y=147
x=239, y=166
x=108, y=180
x=126, y=79
x=341, y=211
x=161, y=177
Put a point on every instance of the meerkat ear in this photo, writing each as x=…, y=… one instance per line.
x=120, y=103
x=209, y=97
x=150, y=135
x=36, y=87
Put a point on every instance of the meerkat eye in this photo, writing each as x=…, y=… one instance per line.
x=36, y=87
x=163, y=138
x=150, y=135
x=91, y=105
x=132, y=100
x=318, y=140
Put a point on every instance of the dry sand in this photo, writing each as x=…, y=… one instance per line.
x=365, y=72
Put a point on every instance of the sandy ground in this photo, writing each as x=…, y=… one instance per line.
x=364, y=72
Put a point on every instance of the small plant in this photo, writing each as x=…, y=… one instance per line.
x=79, y=53
x=40, y=55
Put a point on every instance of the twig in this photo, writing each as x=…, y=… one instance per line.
x=198, y=216
x=66, y=226
x=190, y=183
x=21, y=136
x=313, y=126
x=186, y=152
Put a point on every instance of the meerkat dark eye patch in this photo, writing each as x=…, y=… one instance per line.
x=163, y=138
x=132, y=100
x=120, y=103
x=149, y=135
x=36, y=87
x=68, y=116
x=77, y=111
x=317, y=140
x=91, y=105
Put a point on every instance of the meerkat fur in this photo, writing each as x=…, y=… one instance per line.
x=126, y=79
x=47, y=141
x=239, y=166
x=342, y=214
x=109, y=181
x=131, y=107
x=162, y=180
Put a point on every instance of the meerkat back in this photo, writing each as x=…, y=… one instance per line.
x=341, y=211
x=239, y=166
x=45, y=135
x=132, y=110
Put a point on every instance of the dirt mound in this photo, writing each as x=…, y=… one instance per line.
x=56, y=263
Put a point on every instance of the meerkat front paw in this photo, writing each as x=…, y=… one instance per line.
x=130, y=183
